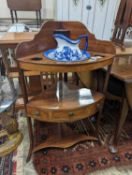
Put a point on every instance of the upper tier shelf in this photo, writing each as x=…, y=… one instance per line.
x=38, y=62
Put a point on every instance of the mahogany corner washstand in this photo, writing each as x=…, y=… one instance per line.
x=60, y=101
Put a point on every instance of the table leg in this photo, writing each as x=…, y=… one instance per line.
x=29, y=121
x=122, y=119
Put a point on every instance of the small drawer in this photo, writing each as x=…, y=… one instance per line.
x=71, y=115
x=63, y=115
x=37, y=114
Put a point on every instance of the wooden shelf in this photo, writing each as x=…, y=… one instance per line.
x=26, y=73
x=67, y=139
x=59, y=105
x=63, y=104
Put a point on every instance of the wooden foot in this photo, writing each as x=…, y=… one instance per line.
x=113, y=149
x=113, y=144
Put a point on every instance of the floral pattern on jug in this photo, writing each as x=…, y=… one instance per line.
x=68, y=50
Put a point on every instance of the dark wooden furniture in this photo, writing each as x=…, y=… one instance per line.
x=122, y=70
x=62, y=102
x=25, y=5
x=123, y=21
x=122, y=67
x=10, y=41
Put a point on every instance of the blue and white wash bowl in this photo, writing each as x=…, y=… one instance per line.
x=68, y=50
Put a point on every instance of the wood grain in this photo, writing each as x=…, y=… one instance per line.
x=64, y=104
x=44, y=39
x=15, y=37
x=122, y=68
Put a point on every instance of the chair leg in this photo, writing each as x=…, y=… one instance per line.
x=37, y=17
x=12, y=17
x=2, y=67
x=16, y=16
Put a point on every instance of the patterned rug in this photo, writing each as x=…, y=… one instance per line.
x=6, y=165
x=85, y=157
x=78, y=160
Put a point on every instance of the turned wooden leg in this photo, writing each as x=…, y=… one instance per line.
x=30, y=130
x=12, y=17
x=123, y=115
x=16, y=16
x=37, y=18
x=39, y=13
x=128, y=87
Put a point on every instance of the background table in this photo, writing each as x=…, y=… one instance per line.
x=9, y=41
x=122, y=70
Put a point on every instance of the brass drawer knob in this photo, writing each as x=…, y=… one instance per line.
x=71, y=114
x=37, y=113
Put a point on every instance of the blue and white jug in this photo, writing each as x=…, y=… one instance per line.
x=68, y=50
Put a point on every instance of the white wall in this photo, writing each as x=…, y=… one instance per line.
x=48, y=9
x=99, y=19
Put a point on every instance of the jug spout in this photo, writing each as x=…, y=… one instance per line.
x=60, y=37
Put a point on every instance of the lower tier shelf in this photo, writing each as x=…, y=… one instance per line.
x=62, y=137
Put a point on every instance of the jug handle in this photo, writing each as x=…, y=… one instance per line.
x=86, y=43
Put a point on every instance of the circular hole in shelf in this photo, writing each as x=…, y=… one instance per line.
x=36, y=59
